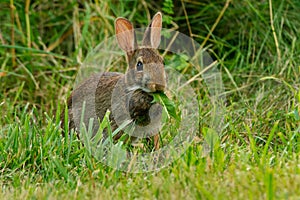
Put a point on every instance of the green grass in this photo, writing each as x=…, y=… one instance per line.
x=257, y=154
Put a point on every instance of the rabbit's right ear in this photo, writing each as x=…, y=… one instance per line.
x=153, y=32
x=125, y=35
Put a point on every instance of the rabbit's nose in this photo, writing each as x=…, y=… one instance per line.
x=159, y=87
x=154, y=87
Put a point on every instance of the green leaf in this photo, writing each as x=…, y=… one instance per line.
x=168, y=105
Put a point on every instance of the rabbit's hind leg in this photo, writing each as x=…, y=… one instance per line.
x=156, y=141
x=153, y=142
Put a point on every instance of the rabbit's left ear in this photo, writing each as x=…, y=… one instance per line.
x=125, y=35
x=153, y=31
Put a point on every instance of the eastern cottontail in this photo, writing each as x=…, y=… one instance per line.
x=145, y=74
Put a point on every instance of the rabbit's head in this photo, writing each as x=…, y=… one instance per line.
x=145, y=65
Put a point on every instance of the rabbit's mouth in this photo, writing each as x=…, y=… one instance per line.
x=149, y=88
x=138, y=87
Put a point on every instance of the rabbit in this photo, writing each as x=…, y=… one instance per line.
x=145, y=75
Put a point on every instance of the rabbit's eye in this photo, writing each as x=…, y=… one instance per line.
x=139, y=66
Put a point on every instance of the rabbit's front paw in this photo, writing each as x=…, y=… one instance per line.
x=139, y=105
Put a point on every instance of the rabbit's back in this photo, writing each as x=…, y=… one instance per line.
x=95, y=95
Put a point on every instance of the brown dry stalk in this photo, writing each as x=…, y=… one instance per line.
x=60, y=40
x=273, y=31
x=27, y=4
x=216, y=22
x=19, y=27
x=12, y=18
x=191, y=35
x=66, y=34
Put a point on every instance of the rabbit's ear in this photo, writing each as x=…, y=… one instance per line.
x=125, y=35
x=152, y=34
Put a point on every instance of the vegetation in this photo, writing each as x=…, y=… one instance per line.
x=42, y=45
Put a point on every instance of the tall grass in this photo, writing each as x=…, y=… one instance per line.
x=42, y=45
